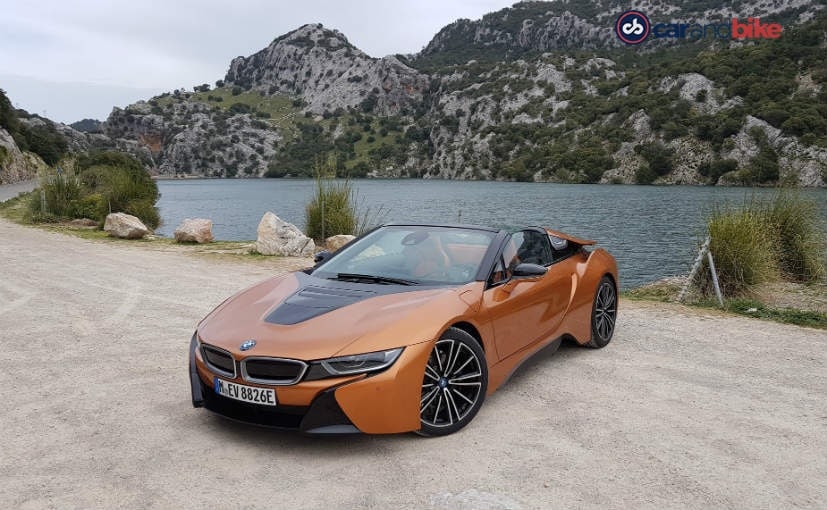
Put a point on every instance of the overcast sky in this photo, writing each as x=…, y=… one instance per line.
x=75, y=59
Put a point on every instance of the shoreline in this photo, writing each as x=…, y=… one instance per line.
x=779, y=302
x=190, y=177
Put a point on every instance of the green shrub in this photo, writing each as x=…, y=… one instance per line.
x=645, y=175
x=658, y=156
x=713, y=170
x=743, y=249
x=122, y=184
x=801, y=237
x=122, y=188
x=92, y=206
x=92, y=186
x=763, y=167
x=145, y=210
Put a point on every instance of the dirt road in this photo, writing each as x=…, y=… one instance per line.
x=684, y=408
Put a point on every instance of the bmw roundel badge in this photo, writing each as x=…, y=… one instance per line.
x=247, y=345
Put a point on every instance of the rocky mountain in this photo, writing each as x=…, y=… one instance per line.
x=530, y=27
x=540, y=91
x=322, y=68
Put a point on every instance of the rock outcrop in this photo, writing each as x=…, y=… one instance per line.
x=16, y=165
x=189, y=136
x=198, y=230
x=327, y=72
x=278, y=237
x=125, y=226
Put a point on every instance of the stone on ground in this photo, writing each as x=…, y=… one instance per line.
x=278, y=237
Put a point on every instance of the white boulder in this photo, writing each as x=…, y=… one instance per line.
x=277, y=237
x=125, y=226
x=198, y=230
x=333, y=243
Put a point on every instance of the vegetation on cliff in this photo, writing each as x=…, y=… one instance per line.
x=40, y=138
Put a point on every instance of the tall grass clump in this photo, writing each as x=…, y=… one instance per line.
x=60, y=192
x=336, y=207
x=802, y=248
x=332, y=210
x=743, y=249
x=764, y=240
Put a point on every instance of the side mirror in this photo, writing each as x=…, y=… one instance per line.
x=527, y=270
x=322, y=256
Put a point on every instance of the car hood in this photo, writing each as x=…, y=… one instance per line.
x=303, y=317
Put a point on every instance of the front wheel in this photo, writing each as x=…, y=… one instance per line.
x=454, y=384
x=604, y=313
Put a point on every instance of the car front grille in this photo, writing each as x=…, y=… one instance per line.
x=261, y=370
x=219, y=360
x=276, y=371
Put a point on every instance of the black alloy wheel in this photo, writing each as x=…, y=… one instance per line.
x=454, y=384
x=604, y=313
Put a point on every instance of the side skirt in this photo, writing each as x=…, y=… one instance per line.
x=502, y=371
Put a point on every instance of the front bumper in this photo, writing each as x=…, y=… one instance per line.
x=381, y=403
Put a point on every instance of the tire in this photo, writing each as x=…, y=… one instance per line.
x=454, y=384
x=604, y=314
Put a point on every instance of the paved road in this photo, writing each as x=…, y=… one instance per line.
x=8, y=191
x=684, y=409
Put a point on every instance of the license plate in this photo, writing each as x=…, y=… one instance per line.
x=251, y=394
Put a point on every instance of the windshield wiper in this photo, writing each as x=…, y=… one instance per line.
x=373, y=279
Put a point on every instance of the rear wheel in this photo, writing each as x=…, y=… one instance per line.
x=454, y=384
x=604, y=313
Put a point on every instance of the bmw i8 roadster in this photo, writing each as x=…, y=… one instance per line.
x=406, y=328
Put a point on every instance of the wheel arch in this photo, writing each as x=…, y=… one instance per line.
x=599, y=263
x=614, y=282
x=471, y=330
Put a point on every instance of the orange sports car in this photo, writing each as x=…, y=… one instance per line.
x=406, y=328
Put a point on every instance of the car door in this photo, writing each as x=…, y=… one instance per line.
x=524, y=311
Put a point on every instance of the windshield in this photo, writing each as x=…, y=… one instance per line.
x=411, y=255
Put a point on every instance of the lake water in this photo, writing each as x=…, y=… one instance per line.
x=652, y=231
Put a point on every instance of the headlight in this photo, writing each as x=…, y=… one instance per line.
x=355, y=364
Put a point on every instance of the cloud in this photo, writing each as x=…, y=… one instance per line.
x=70, y=101
x=121, y=48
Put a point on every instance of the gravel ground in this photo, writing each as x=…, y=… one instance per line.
x=685, y=408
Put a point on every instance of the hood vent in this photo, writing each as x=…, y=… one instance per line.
x=313, y=301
